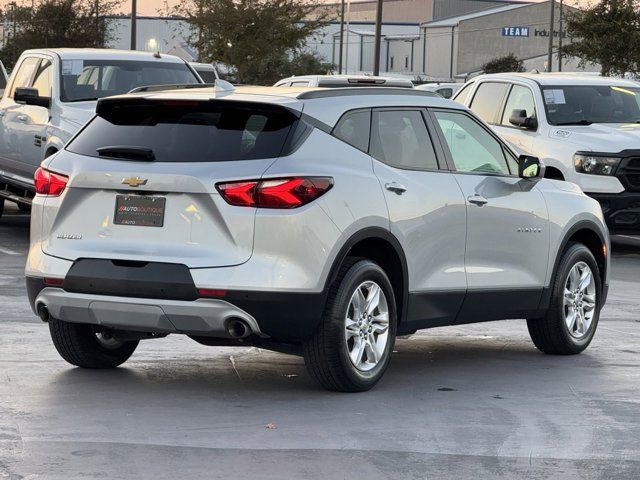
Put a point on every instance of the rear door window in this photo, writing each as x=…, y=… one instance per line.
x=462, y=95
x=401, y=139
x=186, y=131
x=488, y=99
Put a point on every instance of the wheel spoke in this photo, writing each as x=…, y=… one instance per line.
x=359, y=303
x=372, y=352
x=568, y=297
x=571, y=319
x=585, y=280
x=574, y=278
x=589, y=302
x=351, y=328
x=373, y=299
x=358, y=351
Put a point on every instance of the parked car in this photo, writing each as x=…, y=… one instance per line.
x=3, y=78
x=336, y=81
x=53, y=92
x=585, y=128
x=244, y=221
x=206, y=71
x=445, y=90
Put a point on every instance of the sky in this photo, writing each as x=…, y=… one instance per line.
x=151, y=7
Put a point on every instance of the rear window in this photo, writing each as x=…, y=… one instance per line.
x=85, y=80
x=185, y=131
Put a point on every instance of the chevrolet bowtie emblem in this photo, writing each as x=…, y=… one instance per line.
x=134, y=181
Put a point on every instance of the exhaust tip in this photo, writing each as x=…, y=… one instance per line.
x=238, y=328
x=43, y=312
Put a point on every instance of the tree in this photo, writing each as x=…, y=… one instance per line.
x=261, y=39
x=56, y=24
x=607, y=33
x=507, y=63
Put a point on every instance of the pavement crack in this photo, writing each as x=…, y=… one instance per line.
x=233, y=364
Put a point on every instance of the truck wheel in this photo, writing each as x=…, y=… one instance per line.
x=571, y=321
x=352, y=347
x=81, y=345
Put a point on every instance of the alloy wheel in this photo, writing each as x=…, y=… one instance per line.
x=579, y=300
x=367, y=326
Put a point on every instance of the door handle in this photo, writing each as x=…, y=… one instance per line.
x=395, y=187
x=477, y=200
x=22, y=118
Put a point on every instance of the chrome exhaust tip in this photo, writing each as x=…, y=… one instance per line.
x=238, y=328
x=43, y=312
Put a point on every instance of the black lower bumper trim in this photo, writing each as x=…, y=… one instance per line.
x=621, y=211
x=34, y=286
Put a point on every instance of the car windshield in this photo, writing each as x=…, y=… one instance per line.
x=587, y=104
x=84, y=80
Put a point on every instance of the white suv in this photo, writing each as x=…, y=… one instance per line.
x=585, y=129
x=53, y=92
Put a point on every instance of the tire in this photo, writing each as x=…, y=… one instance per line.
x=79, y=344
x=552, y=334
x=327, y=353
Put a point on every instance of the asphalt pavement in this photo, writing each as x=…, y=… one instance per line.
x=459, y=402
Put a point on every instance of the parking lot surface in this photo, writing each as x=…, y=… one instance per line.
x=464, y=402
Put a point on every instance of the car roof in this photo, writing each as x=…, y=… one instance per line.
x=346, y=78
x=560, y=79
x=103, y=53
x=324, y=104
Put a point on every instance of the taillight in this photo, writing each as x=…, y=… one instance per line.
x=274, y=193
x=50, y=183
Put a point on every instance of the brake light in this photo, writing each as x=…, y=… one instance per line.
x=275, y=193
x=49, y=183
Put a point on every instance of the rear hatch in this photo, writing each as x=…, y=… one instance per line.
x=142, y=178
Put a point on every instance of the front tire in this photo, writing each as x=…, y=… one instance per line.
x=81, y=345
x=352, y=347
x=571, y=321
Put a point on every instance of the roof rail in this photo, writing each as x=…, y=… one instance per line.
x=351, y=91
x=176, y=86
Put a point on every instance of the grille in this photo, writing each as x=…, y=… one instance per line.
x=629, y=173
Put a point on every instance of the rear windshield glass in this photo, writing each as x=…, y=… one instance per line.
x=185, y=131
x=586, y=104
x=84, y=80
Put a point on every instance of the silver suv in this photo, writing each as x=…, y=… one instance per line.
x=322, y=222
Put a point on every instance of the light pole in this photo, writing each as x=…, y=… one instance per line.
x=341, y=37
x=134, y=20
x=376, y=58
x=551, y=25
x=560, y=33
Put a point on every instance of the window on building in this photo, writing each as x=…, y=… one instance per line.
x=401, y=139
x=473, y=149
x=391, y=63
x=406, y=62
x=520, y=98
x=487, y=100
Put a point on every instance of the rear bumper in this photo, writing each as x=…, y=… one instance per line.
x=286, y=317
x=621, y=211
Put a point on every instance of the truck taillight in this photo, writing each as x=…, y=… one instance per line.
x=49, y=183
x=289, y=192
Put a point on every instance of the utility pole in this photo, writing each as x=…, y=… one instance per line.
x=551, y=25
x=97, y=7
x=341, y=37
x=560, y=34
x=376, y=59
x=134, y=21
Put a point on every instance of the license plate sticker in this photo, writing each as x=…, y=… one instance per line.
x=139, y=211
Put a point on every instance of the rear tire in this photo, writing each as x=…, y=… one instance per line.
x=80, y=345
x=572, y=318
x=352, y=347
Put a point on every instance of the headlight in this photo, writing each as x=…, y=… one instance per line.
x=595, y=165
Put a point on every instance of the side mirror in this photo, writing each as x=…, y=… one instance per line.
x=530, y=167
x=30, y=96
x=519, y=119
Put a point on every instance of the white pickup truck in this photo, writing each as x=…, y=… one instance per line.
x=586, y=130
x=52, y=93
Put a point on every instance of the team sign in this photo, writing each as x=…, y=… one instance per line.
x=515, y=31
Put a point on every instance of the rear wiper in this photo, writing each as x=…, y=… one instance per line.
x=578, y=122
x=134, y=153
